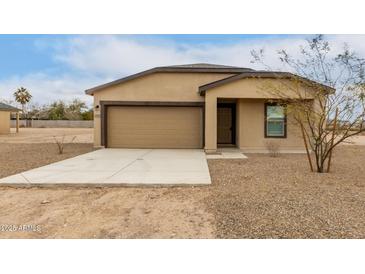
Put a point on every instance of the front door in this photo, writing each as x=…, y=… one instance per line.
x=226, y=124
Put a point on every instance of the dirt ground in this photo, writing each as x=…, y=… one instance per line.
x=258, y=197
x=15, y=158
x=46, y=135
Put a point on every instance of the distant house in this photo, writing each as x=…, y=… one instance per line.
x=195, y=106
x=5, y=111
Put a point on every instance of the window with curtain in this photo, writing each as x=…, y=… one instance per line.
x=275, y=124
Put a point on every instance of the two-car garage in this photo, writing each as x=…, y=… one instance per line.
x=153, y=126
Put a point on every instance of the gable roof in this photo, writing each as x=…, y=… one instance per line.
x=199, y=67
x=8, y=107
x=262, y=75
x=206, y=66
x=240, y=73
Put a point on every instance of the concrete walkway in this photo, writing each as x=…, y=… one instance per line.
x=121, y=166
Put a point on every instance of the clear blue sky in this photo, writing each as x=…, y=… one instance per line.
x=19, y=54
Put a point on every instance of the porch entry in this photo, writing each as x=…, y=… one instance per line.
x=226, y=123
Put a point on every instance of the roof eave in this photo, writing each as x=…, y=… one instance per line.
x=259, y=74
x=10, y=109
x=164, y=69
x=130, y=77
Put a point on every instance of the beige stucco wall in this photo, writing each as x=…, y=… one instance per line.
x=252, y=94
x=175, y=87
x=4, y=122
x=261, y=88
x=183, y=87
x=251, y=131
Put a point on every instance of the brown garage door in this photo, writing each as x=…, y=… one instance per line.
x=154, y=127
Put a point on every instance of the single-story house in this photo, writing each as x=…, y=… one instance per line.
x=5, y=112
x=194, y=106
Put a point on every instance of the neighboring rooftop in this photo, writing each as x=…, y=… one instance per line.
x=8, y=107
x=198, y=67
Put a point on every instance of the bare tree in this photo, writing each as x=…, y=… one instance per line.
x=336, y=85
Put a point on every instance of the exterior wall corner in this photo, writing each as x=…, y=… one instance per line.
x=210, y=123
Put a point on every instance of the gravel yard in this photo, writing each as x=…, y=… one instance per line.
x=258, y=197
x=15, y=158
x=267, y=197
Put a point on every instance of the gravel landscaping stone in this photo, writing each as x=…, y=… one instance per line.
x=265, y=197
x=258, y=197
x=15, y=158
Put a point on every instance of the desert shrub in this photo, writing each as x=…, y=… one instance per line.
x=60, y=142
x=273, y=147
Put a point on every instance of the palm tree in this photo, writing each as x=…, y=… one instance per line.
x=22, y=96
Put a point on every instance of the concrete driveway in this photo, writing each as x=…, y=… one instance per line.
x=121, y=166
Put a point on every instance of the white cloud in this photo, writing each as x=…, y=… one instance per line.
x=109, y=55
x=113, y=55
x=355, y=42
x=94, y=60
x=46, y=89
